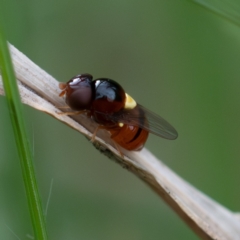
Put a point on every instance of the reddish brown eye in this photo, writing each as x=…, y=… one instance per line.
x=79, y=92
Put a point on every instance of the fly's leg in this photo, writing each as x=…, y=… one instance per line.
x=95, y=132
x=118, y=149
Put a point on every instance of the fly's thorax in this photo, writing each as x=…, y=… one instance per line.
x=109, y=96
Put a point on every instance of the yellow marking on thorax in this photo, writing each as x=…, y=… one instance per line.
x=129, y=102
x=120, y=124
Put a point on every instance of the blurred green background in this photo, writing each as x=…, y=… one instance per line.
x=174, y=57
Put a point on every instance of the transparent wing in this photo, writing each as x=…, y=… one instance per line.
x=145, y=119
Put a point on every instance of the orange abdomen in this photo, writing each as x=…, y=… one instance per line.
x=129, y=137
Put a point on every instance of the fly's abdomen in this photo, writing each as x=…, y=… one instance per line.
x=129, y=137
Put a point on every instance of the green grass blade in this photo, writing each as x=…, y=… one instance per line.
x=25, y=155
x=229, y=9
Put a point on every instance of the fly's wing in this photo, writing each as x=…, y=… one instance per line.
x=145, y=119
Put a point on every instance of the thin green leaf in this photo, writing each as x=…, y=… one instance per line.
x=229, y=9
x=25, y=155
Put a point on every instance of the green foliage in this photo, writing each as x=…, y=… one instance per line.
x=225, y=8
x=25, y=155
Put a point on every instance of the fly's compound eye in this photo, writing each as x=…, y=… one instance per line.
x=80, y=80
x=79, y=92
